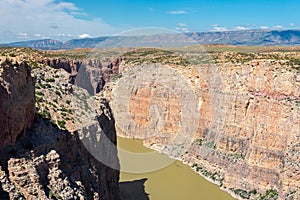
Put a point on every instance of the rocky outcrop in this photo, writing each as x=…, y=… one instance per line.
x=71, y=66
x=90, y=74
x=93, y=74
x=17, y=109
x=245, y=135
x=50, y=162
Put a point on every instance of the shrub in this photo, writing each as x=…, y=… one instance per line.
x=39, y=99
x=68, y=102
x=45, y=114
x=63, y=109
x=270, y=195
x=61, y=123
x=199, y=141
x=58, y=93
x=12, y=55
x=116, y=77
x=50, y=80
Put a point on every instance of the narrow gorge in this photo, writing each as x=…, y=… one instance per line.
x=235, y=120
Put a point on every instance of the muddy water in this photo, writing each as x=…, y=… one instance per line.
x=175, y=181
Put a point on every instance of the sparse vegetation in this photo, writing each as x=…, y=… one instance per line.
x=269, y=195
x=68, y=101
x=116, y=77
x=237, y=156
x=199, y=141
x=243, y=193
x=50, y=80
x=58, y=93
x=53, y=195
x=33, y=64
x=63, y=109
x=12, y=55
x=45, y=114
x=61, y=123
x=214, y=176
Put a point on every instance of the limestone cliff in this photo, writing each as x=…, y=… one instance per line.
x=50, y=162
x=17, y=110
x=247, y=120
x=88, y=73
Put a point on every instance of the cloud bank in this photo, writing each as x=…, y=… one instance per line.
x=39, y=19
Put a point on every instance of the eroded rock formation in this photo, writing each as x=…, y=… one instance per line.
x=90, y=74
x=17, y=109
x=49, y=162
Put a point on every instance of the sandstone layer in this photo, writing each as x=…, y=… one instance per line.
x=245, y=135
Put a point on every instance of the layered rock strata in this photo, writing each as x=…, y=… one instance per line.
x=245, y=135
x=48, y=161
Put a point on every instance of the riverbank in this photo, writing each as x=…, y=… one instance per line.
x=175, y=181
x=194, y=168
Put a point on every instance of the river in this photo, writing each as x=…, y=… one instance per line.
x=176, y=181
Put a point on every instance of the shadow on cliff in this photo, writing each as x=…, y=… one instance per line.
x=133, y=190
x=3, y=194
x=75, y=162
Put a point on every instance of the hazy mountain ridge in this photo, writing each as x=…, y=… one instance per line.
x=247, y=38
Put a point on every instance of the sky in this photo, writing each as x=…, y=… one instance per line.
x=68, y=19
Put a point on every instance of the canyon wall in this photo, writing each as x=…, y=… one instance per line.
x=236, y=124
x=17, y=109
x=91, y=74
x=40, y=157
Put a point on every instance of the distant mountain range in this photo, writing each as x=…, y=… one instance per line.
x=247, y=38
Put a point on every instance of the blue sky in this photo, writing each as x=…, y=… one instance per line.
x=196, y=15
x=67, y=19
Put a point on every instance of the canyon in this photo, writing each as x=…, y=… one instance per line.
x=232, y=117
x=235, y=123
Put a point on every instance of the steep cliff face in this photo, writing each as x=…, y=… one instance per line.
x=17, y=110
x=91, y=74
x=50, y=161
x=246, y=134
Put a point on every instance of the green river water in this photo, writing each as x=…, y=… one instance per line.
x=176, y=181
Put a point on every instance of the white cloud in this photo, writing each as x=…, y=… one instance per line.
x=240, y=28
x=278, y=27
x=78, y=13
x=85, y=35
x=182, y=29
x=219, y=28
x=177, y=12
x=22, y=35
x=48, y=18
x=185, y=29
x=66, y=6
x=264, y=27
x=37, y=35
x=292, y=24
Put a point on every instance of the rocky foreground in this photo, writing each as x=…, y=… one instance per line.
x=42, y=156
